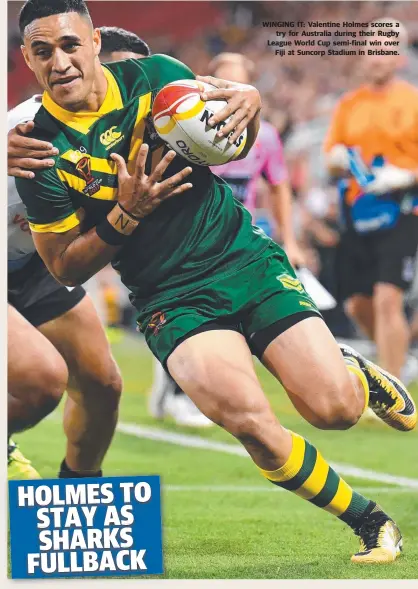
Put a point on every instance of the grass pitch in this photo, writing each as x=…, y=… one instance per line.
x=221, y=519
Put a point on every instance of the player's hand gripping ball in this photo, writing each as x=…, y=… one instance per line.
x=181, y=120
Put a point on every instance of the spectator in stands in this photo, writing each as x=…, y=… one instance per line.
x=372, y=142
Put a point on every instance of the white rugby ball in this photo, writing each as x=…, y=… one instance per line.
x=181, y=120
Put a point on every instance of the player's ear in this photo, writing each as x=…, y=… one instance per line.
x=26, y=56
x=97, y=41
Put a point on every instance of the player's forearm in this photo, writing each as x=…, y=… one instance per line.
x=74, y=257
x=83, y=258
x=281, y=206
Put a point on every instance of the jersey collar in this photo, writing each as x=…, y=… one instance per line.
x=82, y=121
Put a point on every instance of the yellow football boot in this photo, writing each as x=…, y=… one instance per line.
x=19, y=467
x=380, y=539
x=389, y=398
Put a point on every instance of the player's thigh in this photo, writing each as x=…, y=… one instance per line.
x=36, y=370
x=286, y=332
x=216, y=370
x=80, y=337
x=308, y=362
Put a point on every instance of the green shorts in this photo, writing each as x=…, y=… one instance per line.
x=249, y=300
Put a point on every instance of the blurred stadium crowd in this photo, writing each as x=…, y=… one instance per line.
x=299, y=94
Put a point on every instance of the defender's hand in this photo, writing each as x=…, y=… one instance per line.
x=244, y=102
x=140, y=194
x=25, y=154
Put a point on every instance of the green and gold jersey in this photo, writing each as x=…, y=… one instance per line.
x=188, y=241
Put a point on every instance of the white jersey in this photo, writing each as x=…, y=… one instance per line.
x=20, y=246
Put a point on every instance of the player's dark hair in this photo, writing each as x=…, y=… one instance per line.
x=34, y=9
x=116, y=39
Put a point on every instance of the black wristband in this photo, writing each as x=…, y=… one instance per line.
x=109, y=234
x=128, y=213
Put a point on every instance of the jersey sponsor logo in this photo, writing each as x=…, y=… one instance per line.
x=111, y=137
x=156, y=322
x=83, y=167
x=22, y=222
x=289, y=282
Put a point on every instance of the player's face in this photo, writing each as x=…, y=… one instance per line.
x=119, y=56
x=233, y=72
x=62, y=51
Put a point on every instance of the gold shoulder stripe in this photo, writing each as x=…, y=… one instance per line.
x=144, y=106
x=78, y=184
x=81, y=121
x=60, y=226
x=113, y=100
x=98, y=164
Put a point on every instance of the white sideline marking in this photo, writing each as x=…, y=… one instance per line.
x=268, y=489
x=191, y=441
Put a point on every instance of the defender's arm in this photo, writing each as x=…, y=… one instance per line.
x=73, y=257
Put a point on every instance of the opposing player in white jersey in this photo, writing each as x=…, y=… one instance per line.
x=265, y=160
x=55, y=337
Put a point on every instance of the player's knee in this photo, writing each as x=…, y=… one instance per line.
x=109, y=384
x=102, y=384
x=248, y=424
x=340, y=408
x=47, y=385
x=335, y=419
